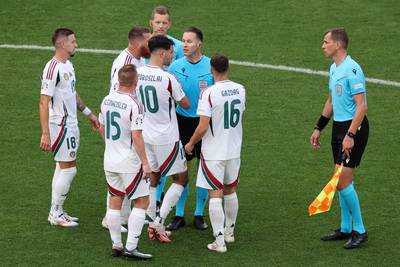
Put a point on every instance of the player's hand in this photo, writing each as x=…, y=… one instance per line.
x=45, y=143
x=315, y=139
x=189, y=148
x=347, y=145
x=94, y=121
x=146, y=170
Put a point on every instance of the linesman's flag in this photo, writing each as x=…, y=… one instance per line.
x=323, y=201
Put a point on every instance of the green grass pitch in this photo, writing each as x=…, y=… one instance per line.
x=280, y=173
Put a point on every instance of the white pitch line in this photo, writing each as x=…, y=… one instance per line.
x=234, y=62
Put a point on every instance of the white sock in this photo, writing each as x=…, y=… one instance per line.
x=170, y=199
x=125, y=210
x=54, y=181
x=61, y=188
x=231, y=207
x=135, y=226
x=113, y=219
x=151, y=210
x=217, y=218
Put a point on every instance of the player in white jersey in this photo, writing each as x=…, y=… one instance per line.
x=159, y=91
x=221, y=108
x=59, y=102
x=125, y=162
x=135, y=54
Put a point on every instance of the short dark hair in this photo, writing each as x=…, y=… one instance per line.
x=339, y=35
x=60, y=32
x=137, y=32
x=196, y=31
x=220, y=63
x=126, y=75
x=162, y=10
x=160, y=42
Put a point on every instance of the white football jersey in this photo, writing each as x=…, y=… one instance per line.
x=124, y=58
x=158, y=90
x=224, y=103
x=58, y=81
x=120, y=114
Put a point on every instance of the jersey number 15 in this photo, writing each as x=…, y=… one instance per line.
x=112, y=122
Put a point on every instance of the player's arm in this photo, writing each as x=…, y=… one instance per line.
x=178, y=94
x=361, y=111
x=88, y=113
x=101, y=126
x=198, y=134
x=45, y=142
x=184, y=102
x=138, y=144
x=322, y=122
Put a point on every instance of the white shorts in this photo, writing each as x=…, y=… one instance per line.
x=167, y=159
x=134, y=185
x=214, y=174
x=64, y=142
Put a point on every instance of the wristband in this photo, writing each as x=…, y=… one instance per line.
x=322, y=122
x=86, y=111
x=350, y=134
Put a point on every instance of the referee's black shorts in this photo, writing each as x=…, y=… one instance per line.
x=339, y=131
x=187, y=126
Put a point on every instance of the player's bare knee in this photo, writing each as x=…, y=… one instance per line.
x=180, y=179
x=154, y=179
x=115, y=202
x=67, y=164
x=216, y=193
x=141, y=202
x=229, y=189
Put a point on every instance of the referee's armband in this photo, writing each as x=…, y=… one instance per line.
x=322, y=122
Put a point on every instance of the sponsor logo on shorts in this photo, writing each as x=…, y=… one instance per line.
x=72, y=154
x=203, y=85
x=338, y=89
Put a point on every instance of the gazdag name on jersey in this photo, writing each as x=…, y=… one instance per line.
x=230, y=92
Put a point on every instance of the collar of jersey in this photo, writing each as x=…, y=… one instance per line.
x=122, y=93
x=224, y=81
x=152, y=66
x=343, y=62
x=194, y=63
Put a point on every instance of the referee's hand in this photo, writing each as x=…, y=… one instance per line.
x=189, y=148
x=315, y=139
x=347, y=145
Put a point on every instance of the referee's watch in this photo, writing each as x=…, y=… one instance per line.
x=350, y=134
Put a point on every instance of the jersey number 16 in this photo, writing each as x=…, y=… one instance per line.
x=231, y=114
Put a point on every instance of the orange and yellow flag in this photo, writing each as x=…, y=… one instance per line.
x=323, y=201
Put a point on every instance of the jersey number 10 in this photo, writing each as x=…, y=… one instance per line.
x=145, y=95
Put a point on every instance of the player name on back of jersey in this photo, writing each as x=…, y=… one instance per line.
x=150, y=78
x=117, y=104
x=230, y=92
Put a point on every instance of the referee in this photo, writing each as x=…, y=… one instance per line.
x=348, y=104
x=193, y=71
